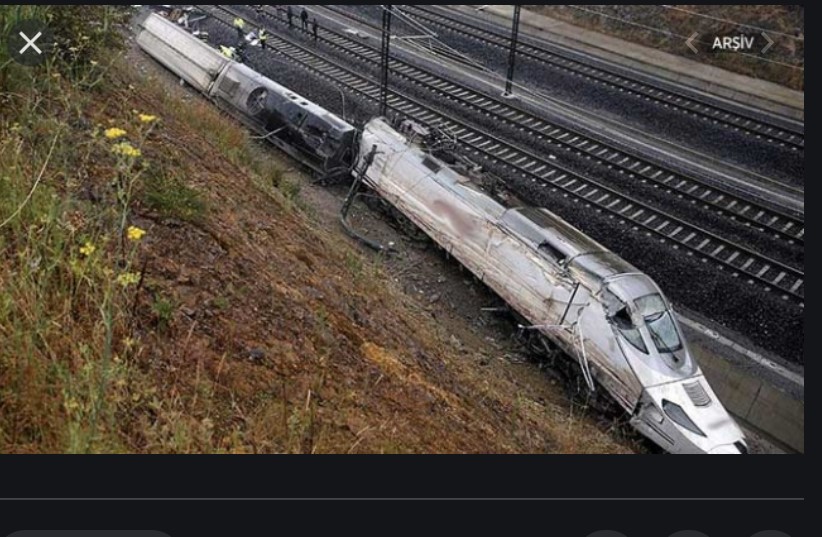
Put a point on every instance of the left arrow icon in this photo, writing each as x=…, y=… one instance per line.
x=691, y=42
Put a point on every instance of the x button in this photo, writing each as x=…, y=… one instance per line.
x=30, y=43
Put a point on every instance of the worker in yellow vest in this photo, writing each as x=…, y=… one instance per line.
x=239, y=25
x=263, y=38
x=229, y=52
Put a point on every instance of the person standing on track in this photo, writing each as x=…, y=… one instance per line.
x=290, y=15
x=240, y=55
x=304, y=19
x=315, y=29
x=263, y=38
x=239, y=25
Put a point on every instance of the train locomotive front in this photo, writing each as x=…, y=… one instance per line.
x=608, y=317
x=675, y=407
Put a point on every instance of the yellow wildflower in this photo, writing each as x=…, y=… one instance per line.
x=127, y=150
x=115, y=134
x=88, y=249
x=127, y=279
x=146, y=118
x=72, y=405
x=136, y=234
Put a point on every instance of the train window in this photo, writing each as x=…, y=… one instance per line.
x=660, y=323
x=651, y=305
x=625, y=324
x=663, y=331
x=553, y=253
x=314, y=130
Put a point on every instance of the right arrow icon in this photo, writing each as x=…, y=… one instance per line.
x=770, y=44
x=691, y=42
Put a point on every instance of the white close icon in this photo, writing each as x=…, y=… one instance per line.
x=30, y=43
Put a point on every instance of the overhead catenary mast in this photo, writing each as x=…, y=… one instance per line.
x=512, y=61
x=387, y=13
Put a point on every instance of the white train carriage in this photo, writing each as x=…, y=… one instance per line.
x=193, y=61
x=599, y=309
x=306, y=131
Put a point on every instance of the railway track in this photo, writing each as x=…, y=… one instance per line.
x=559, y=59
x=699, y=193
x=741, y=262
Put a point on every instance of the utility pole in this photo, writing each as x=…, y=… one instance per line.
x=386, y=57
x=512, y=61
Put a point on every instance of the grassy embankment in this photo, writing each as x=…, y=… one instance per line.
x=69, y=253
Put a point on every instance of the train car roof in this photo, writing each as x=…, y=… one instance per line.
x=555, y=238
x=540, y=226
x=435, y=169
x=315, y=109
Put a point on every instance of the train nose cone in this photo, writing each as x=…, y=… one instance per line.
x=683, y=424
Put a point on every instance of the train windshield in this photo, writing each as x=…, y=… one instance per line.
x=629, y=330
x=647, y=324
x=660, y=324
x=623, y=319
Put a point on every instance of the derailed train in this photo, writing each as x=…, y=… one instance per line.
x=611, y=321
x=308, y=132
